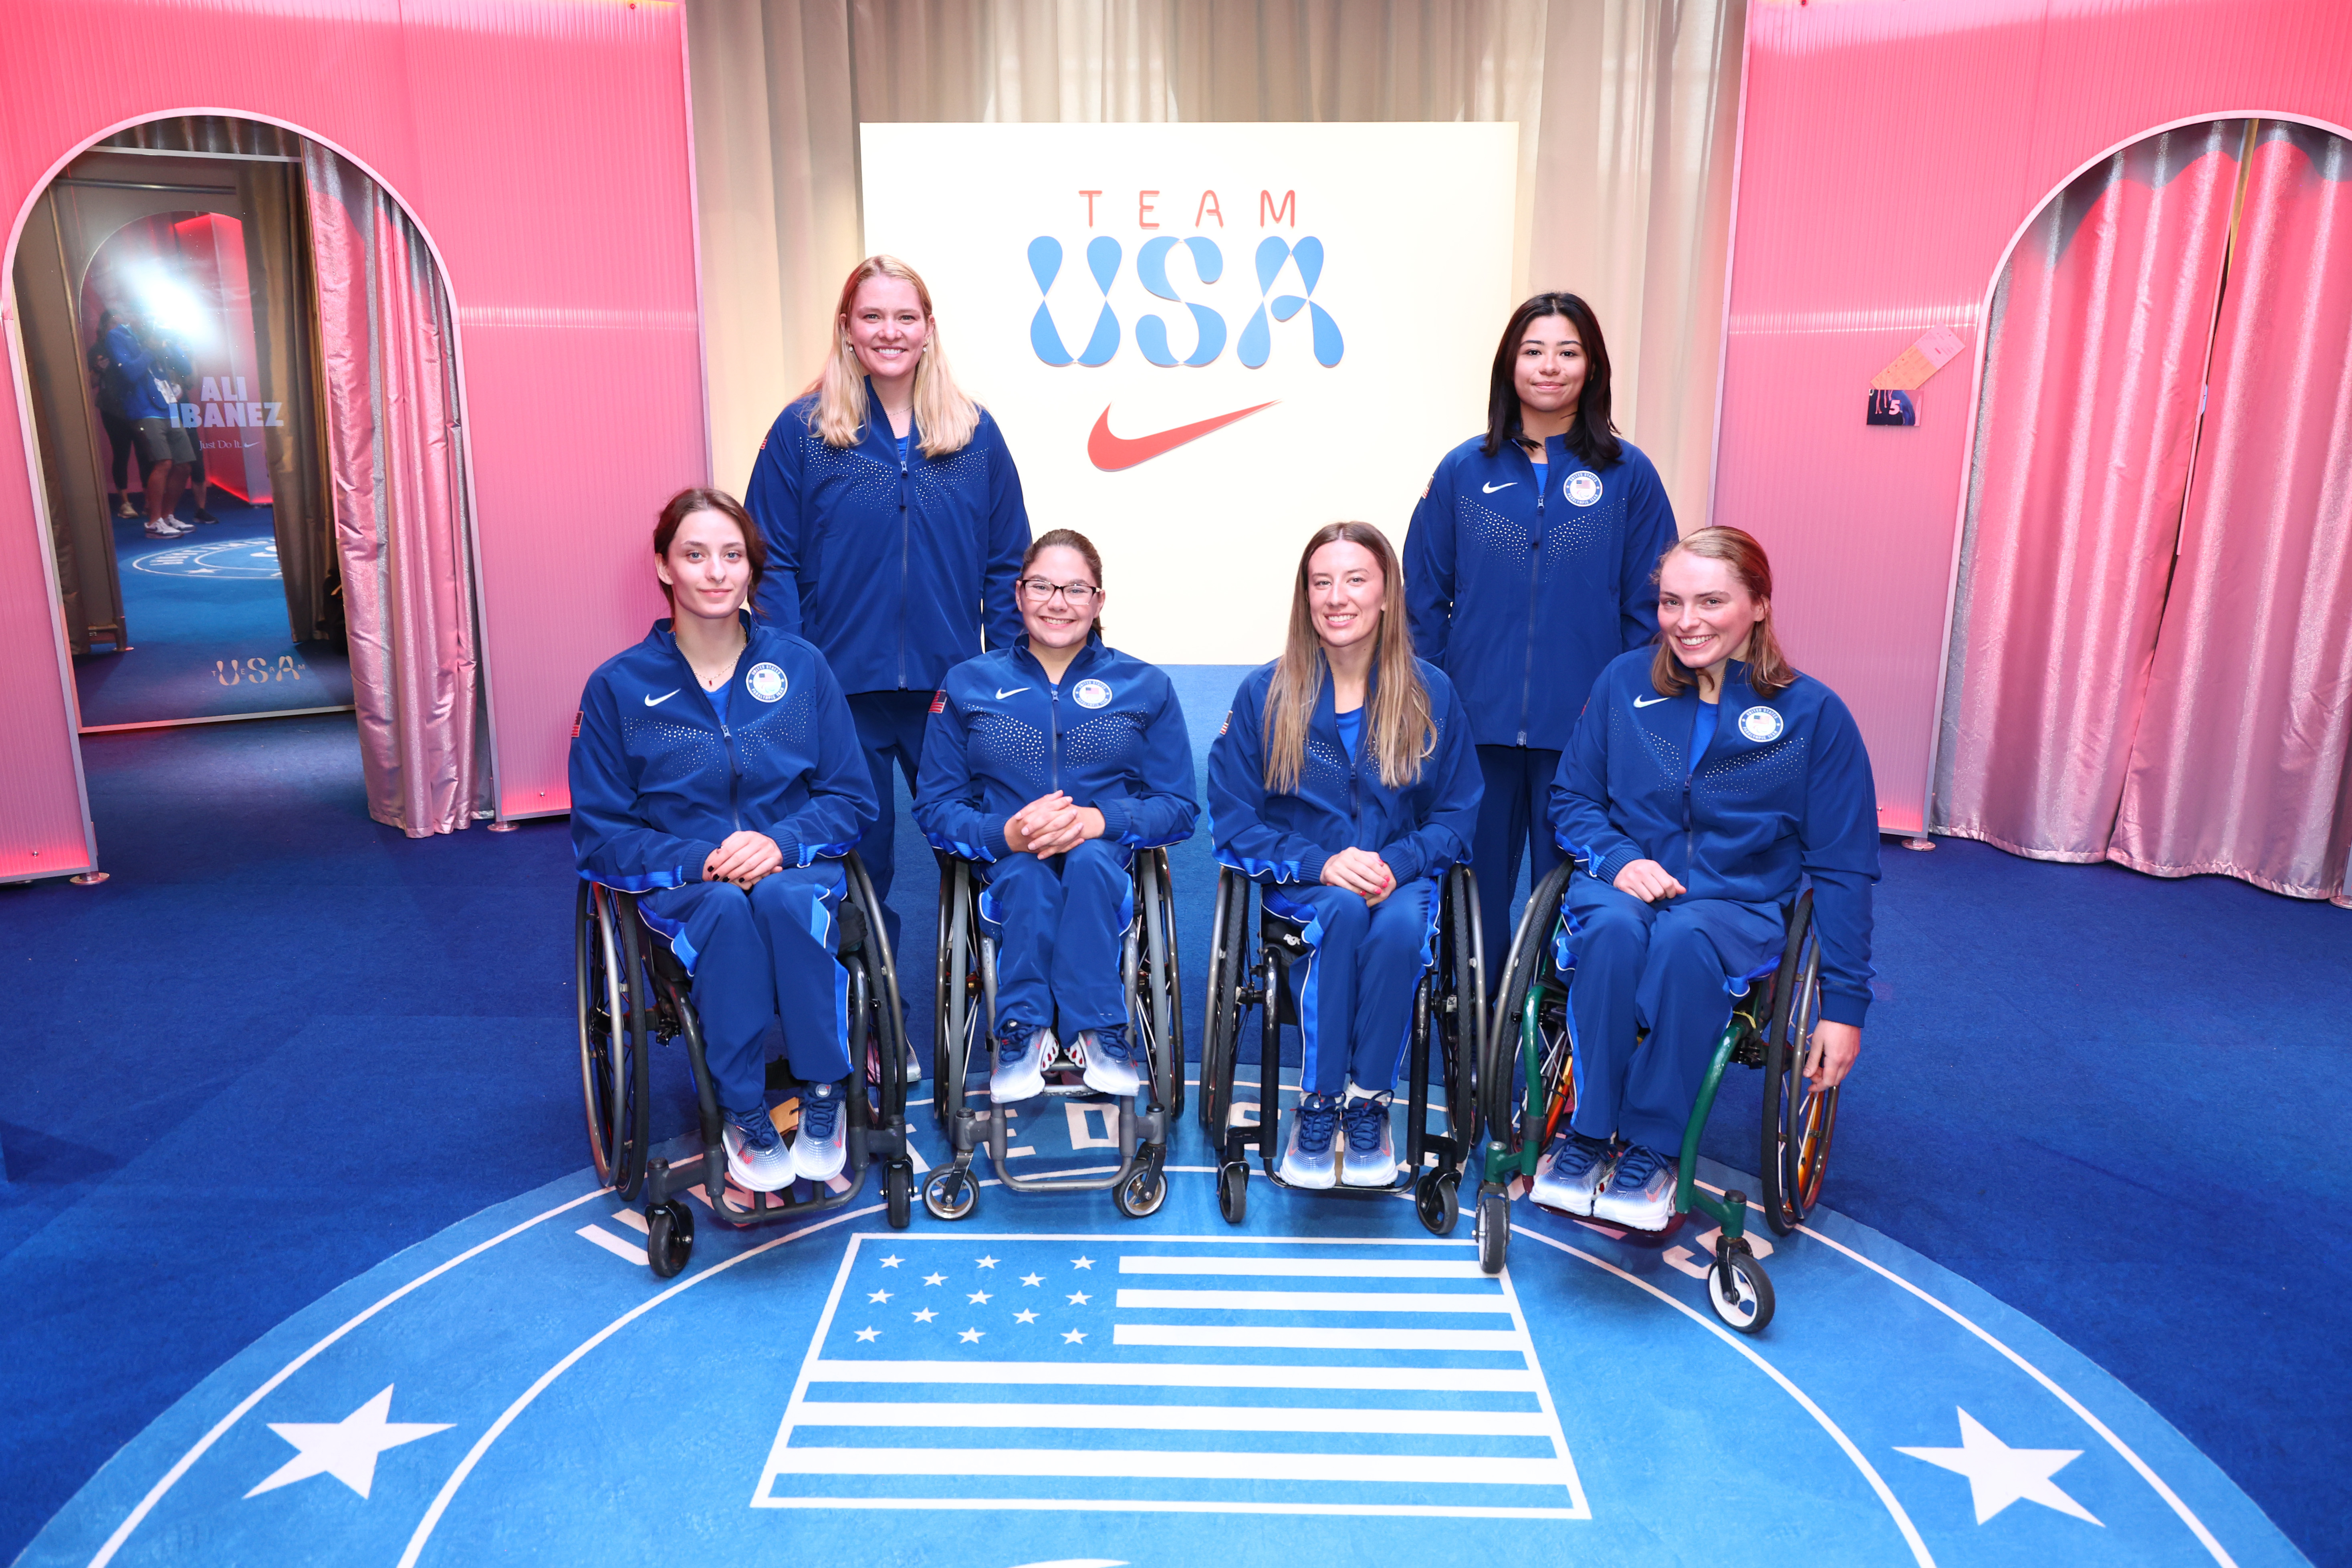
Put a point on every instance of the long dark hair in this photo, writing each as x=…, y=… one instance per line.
x=1592, y=435
x=1067, y=539
x=684, y=504
x=1768, y=672
x=1400, y=731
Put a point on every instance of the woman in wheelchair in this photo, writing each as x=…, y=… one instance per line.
x=1346, y=785
x=1050, y=763
x=716, y=773
x=1706, y=779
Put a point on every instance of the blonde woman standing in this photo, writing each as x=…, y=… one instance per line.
x=1346, y=784
x=894, y=525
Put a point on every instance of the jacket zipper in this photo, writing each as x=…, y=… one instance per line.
x=1534, y=573
x=906, y=553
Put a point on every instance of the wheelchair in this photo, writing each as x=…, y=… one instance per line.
x=1771, y=1027
x=964, y=1032
x=1449, y=1023
x=632, y=992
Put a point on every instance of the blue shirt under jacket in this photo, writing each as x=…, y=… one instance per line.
x=1782, y=791
x=658, y=780
x=1523, y=581
x=892, y=566
x=1111, y=736
x=1339, y=801
x=142, y=397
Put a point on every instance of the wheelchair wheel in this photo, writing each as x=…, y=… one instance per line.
x=877, y=1024
x=950, y=1193
x=1229, y=964
x=1493, y=1225
x=951, y=885
x=1798, y=1121
x=898, y=1193
x=613, y=1003
x=960, y=1022
x=1165, y=981
x=1233, y=1192
x=669, y=1237
x=1435, y=1201
x=1738, y=1289
x=1461, y=1020
x=1141, y=1194
x=1502, y=1091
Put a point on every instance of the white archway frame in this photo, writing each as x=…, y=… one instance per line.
x=1983, y=352
x=33, y=468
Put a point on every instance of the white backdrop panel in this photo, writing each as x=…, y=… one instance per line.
x=1416, y=227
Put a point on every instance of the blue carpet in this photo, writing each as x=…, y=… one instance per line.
x=207, y=615
x=284, y=1042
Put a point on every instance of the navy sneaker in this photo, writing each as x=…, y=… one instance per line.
x=1572, y=1172
x=1308, y=1161
x=756, y=1156
x=1370, y=1156
x=819, y=1145
x=1640, y=1195
x=1020, y=1052
x=1111, y=1067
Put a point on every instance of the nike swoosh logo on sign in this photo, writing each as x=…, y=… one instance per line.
x=1650, y=702
x=1013, y=693
x=657, y=702
x=1112, y=453
x=1506, y=484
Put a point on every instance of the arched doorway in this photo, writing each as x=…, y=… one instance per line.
x=2147, y=663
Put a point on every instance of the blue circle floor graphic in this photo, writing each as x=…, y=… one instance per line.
x=1046, y=1383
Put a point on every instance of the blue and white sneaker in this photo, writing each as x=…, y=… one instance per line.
x=756, y=1156
x=1572, y=1172
x=1310, y=1160
x=1640, y=1195
x=1110, y=1065
x=1370, y=1156
x=1020, y=1052
x=821, y=1143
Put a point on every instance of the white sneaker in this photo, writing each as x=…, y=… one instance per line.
x=1020, y=1070
x=166, y=529
x=756, y=1156
x=1369, y=1158
x=1109, y=1062
x=1572, y=1173
x=1641, y=1191
x=821, y=1143
x=1308, y=1160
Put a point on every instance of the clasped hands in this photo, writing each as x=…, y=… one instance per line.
x=1361, y=871
x=1051, y=825
x=743, y=858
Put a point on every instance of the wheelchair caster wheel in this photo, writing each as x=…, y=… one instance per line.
x=1739, y=1290
x=1142, y=1193
x=1494, y=1231
x=1233, y=1192
x=952, y=1194
x=669, y=1238
x=898, y=1193
x=1435, y=1200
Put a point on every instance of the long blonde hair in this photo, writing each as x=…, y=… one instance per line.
x=1768, y=672
x=944, y=416
x=1398, y=727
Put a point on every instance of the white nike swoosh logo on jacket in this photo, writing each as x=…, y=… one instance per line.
x=1650, y=702
x=657, y=702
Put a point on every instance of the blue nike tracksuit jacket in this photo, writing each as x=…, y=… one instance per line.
x=1784, y=791
x=659, y=779
x=1110, y=735
x=1355, y=996
x=893, y=568
x=1522, y=592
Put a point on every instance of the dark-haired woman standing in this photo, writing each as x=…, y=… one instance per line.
x=1528, y=569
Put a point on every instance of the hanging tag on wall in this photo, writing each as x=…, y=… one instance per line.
x=1935, y=348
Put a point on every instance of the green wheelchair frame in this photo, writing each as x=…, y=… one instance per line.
x=1771, y=1027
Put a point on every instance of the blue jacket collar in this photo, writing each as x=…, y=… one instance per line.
x=877, y=430
x=1087, y=656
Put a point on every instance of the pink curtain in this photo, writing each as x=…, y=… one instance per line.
x=2097, y=336
x=387, y=341
x=2240, y=764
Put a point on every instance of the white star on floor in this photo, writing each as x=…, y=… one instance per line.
x=1033, y=1279
x=1080, y=1299
x=935, y=1278
x=978, y=1297
x=926, y=1315
x=972, y=1336
x=1082, y=1262
x=1024, y=1317
x=869, y=1335
x=1075, y=1336
x=892, y=1262
x=345, y=1449
x=879, y=1296
x=2000, y=1475
x=987, y=1262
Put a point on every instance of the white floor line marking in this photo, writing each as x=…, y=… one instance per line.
x=2196, y=1525
x=1837, y=1434
x=1182, y=1374
x=1305, y=1268
x=1353, y=1301
x=947, y=1415
x=634, y=1221
x=627, y=1252
x=440, y=1504
x=1581, y=1506
x=1079, y=1505
x=171, y=1477
x=1209, y=1336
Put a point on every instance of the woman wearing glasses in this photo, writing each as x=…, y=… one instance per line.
x=894, y=526
x=1051, y=762
x=1345, y=784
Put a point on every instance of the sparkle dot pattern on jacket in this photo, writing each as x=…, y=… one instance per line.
x=1571, y=532
x=940, y=474
x=1756, y=770
x=1668, y=755
x=789, y=727
x=673, y=753
x=1003, y=745
x=1328, y=762
x=1113, y=737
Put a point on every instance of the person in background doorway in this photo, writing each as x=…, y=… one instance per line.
x=1528, y=569
x=165, y=448
x=178, y=368
x=894, y=527
x=122, y=435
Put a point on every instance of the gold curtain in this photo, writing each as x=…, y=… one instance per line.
x=1627, y=113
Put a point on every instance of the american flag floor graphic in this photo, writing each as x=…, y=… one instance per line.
x=1202, y=1373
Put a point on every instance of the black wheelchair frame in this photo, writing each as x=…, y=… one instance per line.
x=1527, y=1089
x=963, y=1033
x=632, y=992
x=1449, y=1026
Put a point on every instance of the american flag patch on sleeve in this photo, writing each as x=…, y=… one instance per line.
x=575, y=723
x=940, y=700
x=1228, y=724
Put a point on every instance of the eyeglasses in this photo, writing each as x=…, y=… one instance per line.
x=1076, y=595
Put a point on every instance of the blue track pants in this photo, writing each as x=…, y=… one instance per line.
x=1514, y=818
x=1355, y=992
x=1059, y=922
x=1671, y=971
x=889, y=731
x=762, y=957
